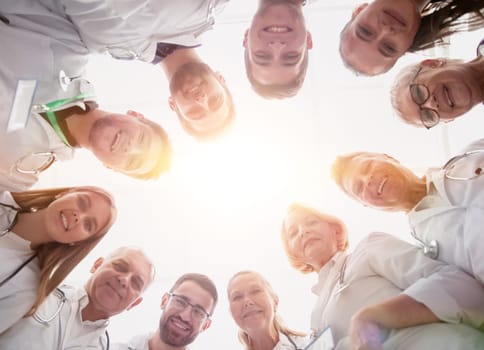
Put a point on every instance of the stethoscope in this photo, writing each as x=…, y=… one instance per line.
x=451, y=165
x=292, y=342
x=431, y=249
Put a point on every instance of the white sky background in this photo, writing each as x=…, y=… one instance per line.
x=219, y=210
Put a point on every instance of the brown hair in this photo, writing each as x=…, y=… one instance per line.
x=203, y=281
x=278, y=323
x=443, y=18
x=57, y=260
x=294, y=260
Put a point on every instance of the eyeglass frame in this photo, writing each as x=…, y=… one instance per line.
x=183, y=298
x=412, y=83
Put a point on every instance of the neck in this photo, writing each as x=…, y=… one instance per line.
x=155, y=343
x=263, y=339
x=91, y=313
x=416, y=191
x=79, y=125
x=31, y=227
x=477, y=67
x=178, y=58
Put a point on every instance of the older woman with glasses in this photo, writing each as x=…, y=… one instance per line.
x=382, y=31
x=254, y=305
x=44, y=234
x=445, y=207
x=380, y=291
x=436, y=90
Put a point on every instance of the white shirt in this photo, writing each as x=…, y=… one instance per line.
x=285, y=344
x=18, y=294
x=136, y=26
x=31, y=50
x=66, y=331
x=382, y=267
x=452, y=214
x=138, y=342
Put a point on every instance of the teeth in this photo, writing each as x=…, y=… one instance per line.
x=180, y=325
x=446, y=93
x=277, y=29
x=382, y=184
x=116, y=140
x=64, y=221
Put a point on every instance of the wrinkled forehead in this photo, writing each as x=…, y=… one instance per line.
x=137, y=261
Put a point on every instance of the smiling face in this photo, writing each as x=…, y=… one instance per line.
x=252, y=304
x=126, y=144
x=448, y=87
x=78, y=215
x=376, y=180
x=200, y=98
x=277, y=43
x=118, y=282
x=310, y=238
x=178, y=327
x=378, y=34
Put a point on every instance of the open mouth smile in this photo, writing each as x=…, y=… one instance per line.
x=382, y=185
x=277, y=29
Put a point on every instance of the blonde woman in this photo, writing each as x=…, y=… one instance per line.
x=253, y=305
x=44, y=234
x=377, y=294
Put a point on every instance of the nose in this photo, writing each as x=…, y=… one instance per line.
x=303, y=229
x=123, y=280
x=248, y=302
x=431, y=102
x=277, y=45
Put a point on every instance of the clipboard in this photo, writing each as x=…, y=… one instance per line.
x=21, y=104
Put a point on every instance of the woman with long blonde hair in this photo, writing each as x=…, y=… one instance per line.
x=44, y=234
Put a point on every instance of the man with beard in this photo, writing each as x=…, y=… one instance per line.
x=276, y=48
x=152, y=31
x=77, y=317
x=47, y=109
x=187, y=310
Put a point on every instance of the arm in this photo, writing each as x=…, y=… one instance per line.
x=368, y=326
x=431, y=291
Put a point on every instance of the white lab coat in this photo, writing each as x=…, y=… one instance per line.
x=138, y=342
x=18, y=294
x=285, y=344
x=31, y=50
x=382, y=267
x=66, y=331
x=452, y=213
x=138, y=25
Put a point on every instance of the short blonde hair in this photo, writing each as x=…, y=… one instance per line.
x=294, y=260
x=279, y=324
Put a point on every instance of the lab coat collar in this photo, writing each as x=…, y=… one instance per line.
x=331, y=268
x=83, y=300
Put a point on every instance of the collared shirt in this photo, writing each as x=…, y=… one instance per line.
x=18, y=294
x=66, y=331
x=132, y=29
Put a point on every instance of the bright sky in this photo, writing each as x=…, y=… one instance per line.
x=219, y=210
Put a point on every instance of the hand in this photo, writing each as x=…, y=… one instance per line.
x=365, y=334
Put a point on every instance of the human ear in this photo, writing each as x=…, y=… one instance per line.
x=244, y=42
x=164, y=301
x=135, y=114
x=309, y=41
x=207, y=324
x=136, y=302
x=358, y=9
x=433, y=63
x=171, y=103
x=96, y=264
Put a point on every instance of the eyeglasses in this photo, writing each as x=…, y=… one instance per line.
x=34, y=163
x=420, y=94
x=181, y=303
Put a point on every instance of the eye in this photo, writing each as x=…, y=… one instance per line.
x=419, y=93
x=198, y=312
x=137, y=284
x=363, y=32
x=82, y=202
x=118, y=266
x=236, y=297
x=388, y=49
x=88, y=226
